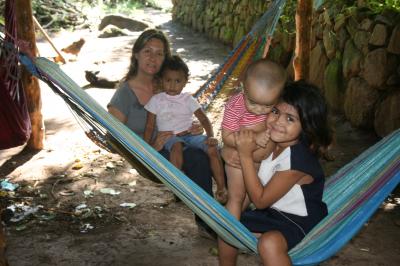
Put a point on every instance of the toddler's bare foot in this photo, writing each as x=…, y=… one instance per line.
x=221, y=196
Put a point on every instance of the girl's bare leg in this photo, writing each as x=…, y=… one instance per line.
x=227, y=254
x=273, y=249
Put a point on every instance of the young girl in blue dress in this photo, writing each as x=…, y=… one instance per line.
x=287, y=190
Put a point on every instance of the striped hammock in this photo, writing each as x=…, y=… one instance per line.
x=352, y=195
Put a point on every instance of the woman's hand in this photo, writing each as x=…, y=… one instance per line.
x=245, y=142
x=196, y=128
x=231, y=157
x=161, y=139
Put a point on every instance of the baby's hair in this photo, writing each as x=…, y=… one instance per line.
x=175, y=63
x=313, y=112
x=270, y=72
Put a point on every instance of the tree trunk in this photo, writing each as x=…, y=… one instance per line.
x=26, y=32
x=301, y=61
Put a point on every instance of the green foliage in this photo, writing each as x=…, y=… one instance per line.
x=378, y=6
x=348, y=7
x=287, y=19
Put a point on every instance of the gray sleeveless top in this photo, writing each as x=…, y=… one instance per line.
x=125, y=100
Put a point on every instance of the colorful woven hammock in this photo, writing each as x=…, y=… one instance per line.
x=14, y=117
x=252, y=46
x=352, y=195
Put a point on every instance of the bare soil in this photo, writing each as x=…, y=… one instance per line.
x=71, y=171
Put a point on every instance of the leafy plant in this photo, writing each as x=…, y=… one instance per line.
x=379, y=6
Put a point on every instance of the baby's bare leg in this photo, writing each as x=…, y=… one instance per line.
x=216, y=167
x=236, y=190
x=218, y=173
x=176, y=155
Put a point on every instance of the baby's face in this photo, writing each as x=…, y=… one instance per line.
x=173, y=82
x=258, y=99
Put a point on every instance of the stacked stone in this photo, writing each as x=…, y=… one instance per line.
x=225, y=20
x=355, y=58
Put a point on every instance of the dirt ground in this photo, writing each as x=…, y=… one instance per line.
x=75, y=190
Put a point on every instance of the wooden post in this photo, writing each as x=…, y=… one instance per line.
x=26, y=32
x=301, y=61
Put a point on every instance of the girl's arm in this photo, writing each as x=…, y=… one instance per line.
x=263, y=153
x=262, y=196
x=205, y=122
x=231, y=155
x=149, y=128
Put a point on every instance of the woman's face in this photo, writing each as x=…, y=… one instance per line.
x=284, y=124
x=151, y=57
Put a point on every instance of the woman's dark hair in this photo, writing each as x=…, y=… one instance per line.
x=175, y=63
x=313, y=112
x=141, y=41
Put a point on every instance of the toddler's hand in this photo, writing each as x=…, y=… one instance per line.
x=196, y=128
x=245, y=142
x=262, y=138
x=211, y=141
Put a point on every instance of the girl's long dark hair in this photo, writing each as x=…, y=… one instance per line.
x=141, y=41
x=313, y=111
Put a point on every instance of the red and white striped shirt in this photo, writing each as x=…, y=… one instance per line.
x=236, y=115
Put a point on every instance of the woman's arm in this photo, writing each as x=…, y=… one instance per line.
x=149, y=127
x=117, y=114
x=281, y=182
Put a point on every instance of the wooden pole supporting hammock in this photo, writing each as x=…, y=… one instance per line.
x=301, y=62
x=25, y=28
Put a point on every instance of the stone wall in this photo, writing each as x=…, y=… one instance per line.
x=355, y=56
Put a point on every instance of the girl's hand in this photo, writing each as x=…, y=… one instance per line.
x=161, y=139
x=262, y=138
x=245, y=142
x=196, y=128
x=211, y=141
x=231, y=157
